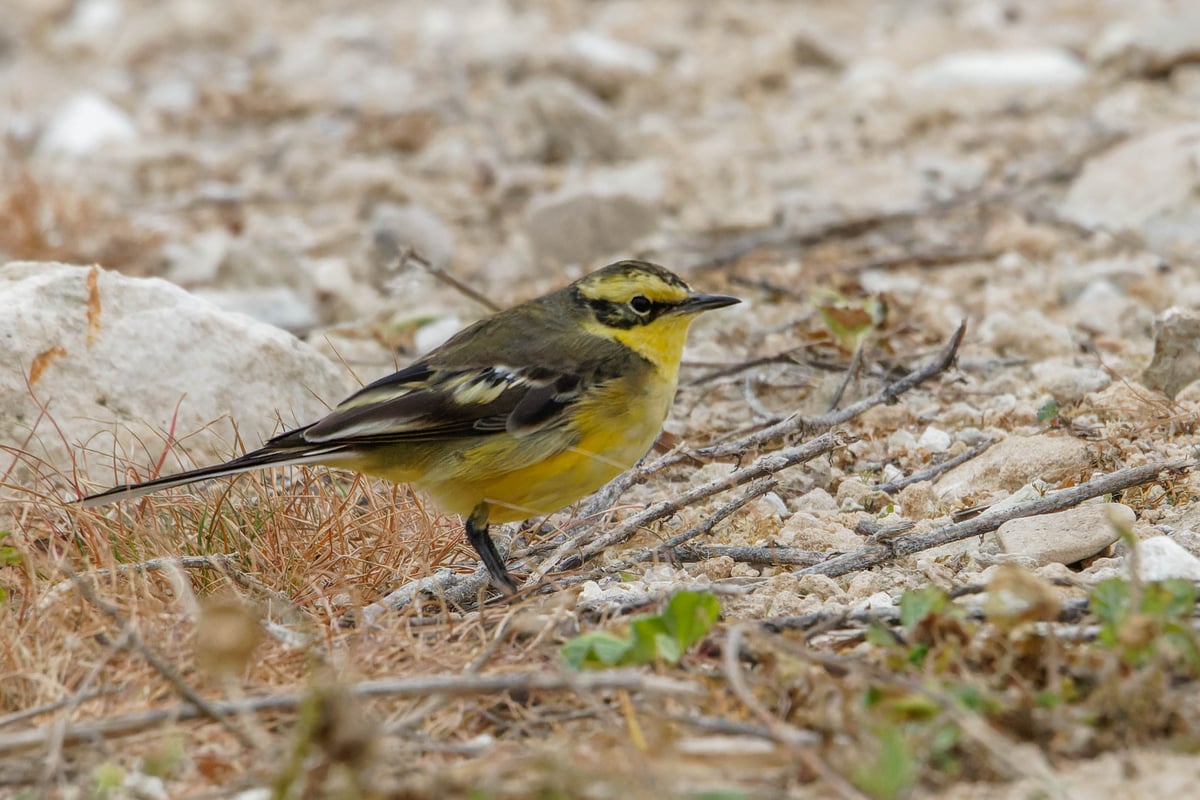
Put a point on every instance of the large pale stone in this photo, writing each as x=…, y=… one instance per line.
x=1065, y=537
x=1012, y=463
x=1161, y=558
x=97, y=364
x=1147, y=185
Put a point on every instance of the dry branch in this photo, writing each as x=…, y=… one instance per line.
x=756, y=490
x=797, y=424
x=936, y=470
x=424, y=686
x=874, y=554
x=573, y=553
x=766, y=555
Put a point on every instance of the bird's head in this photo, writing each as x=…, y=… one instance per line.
x=642, y=305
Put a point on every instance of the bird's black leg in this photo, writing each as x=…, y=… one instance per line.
x=477, y=535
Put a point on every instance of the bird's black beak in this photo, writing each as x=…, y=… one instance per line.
x=695, y=303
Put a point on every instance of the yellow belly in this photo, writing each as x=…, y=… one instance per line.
x=526, y=476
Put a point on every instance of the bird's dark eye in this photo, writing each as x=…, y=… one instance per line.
x=641, y=304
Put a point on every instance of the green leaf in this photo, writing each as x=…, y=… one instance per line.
x=895, y=768
x=1048, y=411
x=913, y=707
x=1177, y=598
x=690, y=615
x=652, y=638
x=918, y=604
x=645, y=632
x=594, y=649
x=880, y=636
x=107, y=778
x=1109, y=601
x=668, y=648
x=10, y=556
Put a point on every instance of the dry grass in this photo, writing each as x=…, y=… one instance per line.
x=191, y=600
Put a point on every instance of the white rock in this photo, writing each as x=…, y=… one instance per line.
x=984, y=69
x=145, y=787
x=590, y=591
x=604, y=64
x=816, y=500
x=880, y=600
x=198, y=260
x=901, y=441
x=1027, y=333
x=1067, y=382
x=435, y=333
x=1012, y=463
x=776, y=504
x=1066, y=537
x=1149, y=45
x=281, y=306
x=92, y=24
x=84, y=124
x=1176, y=361
x=1102, y=308
x=935, y=440
x=152, y=359
x=1160, y=558
x=173, y=95
x=1146, y=185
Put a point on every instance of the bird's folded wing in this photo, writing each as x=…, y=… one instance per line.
x=421, y=403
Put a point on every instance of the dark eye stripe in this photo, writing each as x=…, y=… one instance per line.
x=620, y=315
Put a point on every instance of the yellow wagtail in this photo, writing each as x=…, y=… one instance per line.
x=516, y=416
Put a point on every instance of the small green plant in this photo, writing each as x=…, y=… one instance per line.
x=1049, y=411
x=107, y=779
x=652, y=638
x=1155, y=619
x=10, y=556
x=894, y=768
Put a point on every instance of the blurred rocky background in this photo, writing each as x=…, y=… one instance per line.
x=1031, y=166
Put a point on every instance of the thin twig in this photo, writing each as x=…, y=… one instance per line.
x=572, y=553
x=936, y=470
x=856, y=361
x=409, y=255
x=756, y=490
x=797, y=424
x=72, y=701
x=453, y=685
x=767, y=555
x=432, y=703
x=874, y=554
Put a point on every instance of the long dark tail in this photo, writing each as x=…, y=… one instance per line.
x=287, y=452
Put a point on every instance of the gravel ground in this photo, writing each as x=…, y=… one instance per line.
x=1031, y=168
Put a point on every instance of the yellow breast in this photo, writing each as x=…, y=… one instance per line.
x=523, y=477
